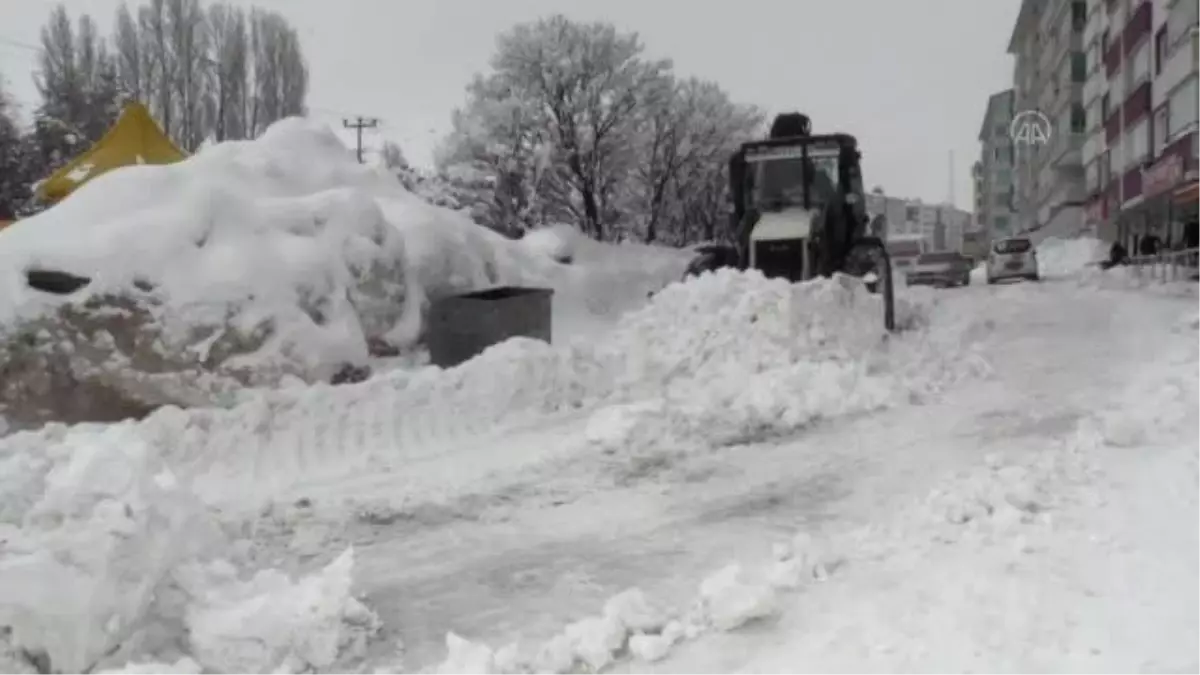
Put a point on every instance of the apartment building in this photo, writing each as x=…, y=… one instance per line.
x=1141, y=151
x=1048, y=77
x=993, y=173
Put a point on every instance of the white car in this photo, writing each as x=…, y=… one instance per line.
x=1013, y=258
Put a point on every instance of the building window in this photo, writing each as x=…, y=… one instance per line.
x=1139, y=69
x=1116, y=84
x=1104, y=109
x=1160, y=49
x=1160, y=129
x=1000, y=200
x=1000, y=224
x=1104, y=43
x=912, y=214
x=1105, y=169
x=1078, y=67
x=1183, y=109
x=1137, y=144
x=1078, y=118
x=1078, y=14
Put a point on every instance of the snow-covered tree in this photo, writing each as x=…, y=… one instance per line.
x=677, y=189
x=572, y=124
x=554, y=119
x=14, y=175
x=76, y=78
x=499, y=146
x=392, y=156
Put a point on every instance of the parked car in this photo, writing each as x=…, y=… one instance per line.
x=942, y=269
x=1012, y=258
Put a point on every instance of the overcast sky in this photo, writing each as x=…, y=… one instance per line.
x=910, y=78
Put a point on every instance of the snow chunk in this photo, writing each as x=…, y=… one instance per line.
x=270, y=623
x=557, y=242
x=1065, y=257
x=732, y=598
x=464, y=656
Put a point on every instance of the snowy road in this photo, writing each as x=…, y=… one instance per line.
x=544, y=540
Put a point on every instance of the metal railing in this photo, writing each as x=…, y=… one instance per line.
x=1167, y=266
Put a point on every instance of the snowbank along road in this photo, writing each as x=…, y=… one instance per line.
x=980, y=491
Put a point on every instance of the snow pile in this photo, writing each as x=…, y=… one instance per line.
x=108, y=558
x=766, y=358
x=1065, y=257
x=248, y=263
x=724, y=359
x=1160, y=404
x=556, y=242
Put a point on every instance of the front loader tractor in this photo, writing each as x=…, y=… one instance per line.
x=799, y=211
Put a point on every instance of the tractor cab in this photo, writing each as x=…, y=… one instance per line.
x=798, y=203
x=799, y=211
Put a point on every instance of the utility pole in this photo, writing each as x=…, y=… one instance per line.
x=358, y=125
x=952, y=195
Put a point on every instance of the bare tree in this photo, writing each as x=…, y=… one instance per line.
x=130, y=64
x=230, y=59
x=211, y=72
x=187, y=46
x=159, y=64
x=279, y=75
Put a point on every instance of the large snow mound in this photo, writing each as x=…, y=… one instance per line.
x=252, y=261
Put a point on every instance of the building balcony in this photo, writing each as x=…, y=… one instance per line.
x=1182, y=64
x=1139, y=26
x=1066, y=149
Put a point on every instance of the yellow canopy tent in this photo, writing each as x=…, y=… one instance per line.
x=135, y=138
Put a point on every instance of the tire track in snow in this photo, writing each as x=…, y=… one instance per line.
x=286, y=439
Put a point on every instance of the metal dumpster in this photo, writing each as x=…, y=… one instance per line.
x=460, y=327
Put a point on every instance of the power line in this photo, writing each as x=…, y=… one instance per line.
x=358, y=125
x=19, y=44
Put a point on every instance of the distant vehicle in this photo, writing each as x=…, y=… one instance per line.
x=904, y=251
x=1012, y=258
x=942, y=269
